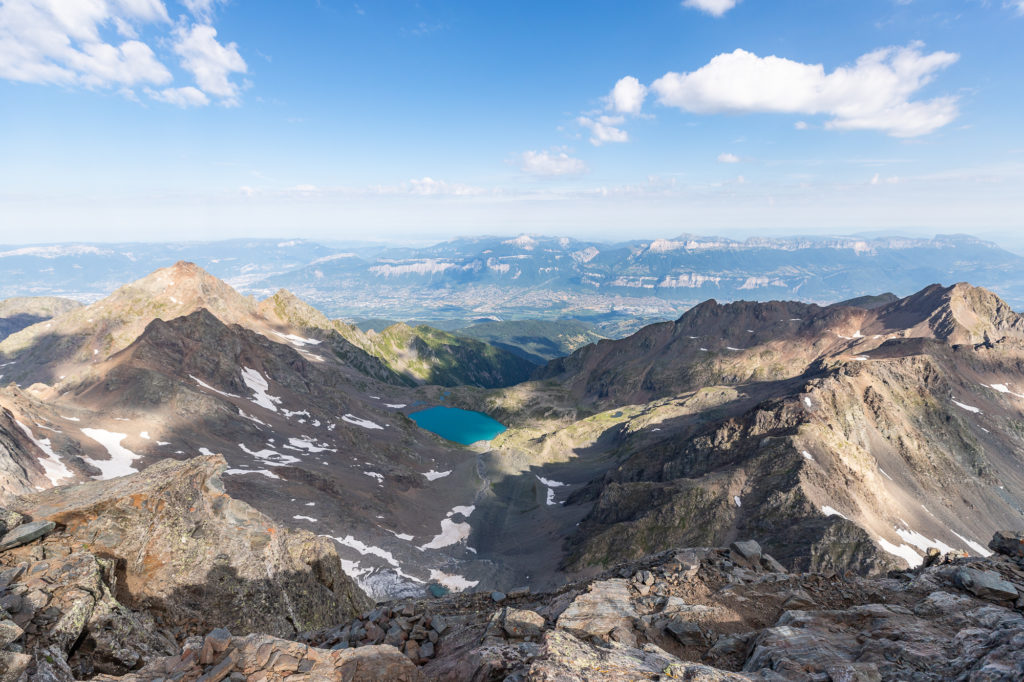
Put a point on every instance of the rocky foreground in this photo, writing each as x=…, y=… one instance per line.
x=161, y=576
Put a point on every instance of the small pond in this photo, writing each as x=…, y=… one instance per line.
x=461, y=426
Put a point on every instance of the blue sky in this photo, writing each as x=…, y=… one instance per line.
x=201, y=119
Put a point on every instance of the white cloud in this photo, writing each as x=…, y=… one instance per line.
x=430, y=187
x=52, y=42
x=874, y=94
x=551, y=163
x=715, y=8
x=603, y=129
x=185, y=97
x=728, y=158
x=627, y=97
x=201, y=9
x=800, y=125
x=210, y=62
x=63, y=42
x=1015, y=4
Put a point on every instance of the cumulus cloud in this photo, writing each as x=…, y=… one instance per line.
x=800, y=125
x=68, y=42
x=873, y=94
x=604, y=129
x=627, y=97
x=185, y=97
x=715, y=8
x=551, y=163
x=42, y=41
x=728, y=158
x=1015, y=4
x=210, y=62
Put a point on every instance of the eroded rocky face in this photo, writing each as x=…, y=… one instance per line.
x=697, y=614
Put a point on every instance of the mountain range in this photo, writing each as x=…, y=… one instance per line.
x=617, y=286
x=860, y=438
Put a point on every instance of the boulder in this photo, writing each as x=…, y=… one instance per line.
x=9, y=519
x=26, y=533
x=605, y=607
x=189, y=550
x=13, y=666
x=520, y=623
x=746, y=553
x=985, y=584
x=686, y=632
x=1008, y=542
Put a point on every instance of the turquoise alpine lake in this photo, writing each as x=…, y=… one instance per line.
x=461, y=426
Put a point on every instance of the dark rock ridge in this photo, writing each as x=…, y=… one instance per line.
x=839, y=437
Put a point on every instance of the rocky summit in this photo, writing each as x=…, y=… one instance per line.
x=94, y=586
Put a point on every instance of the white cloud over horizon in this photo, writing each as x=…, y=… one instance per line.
x=873, y=94
x=715, y=8
x=548, y=163
x=728, y=158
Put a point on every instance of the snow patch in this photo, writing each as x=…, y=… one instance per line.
x=884, y=474
x=53, y=467
x=920, y=541
x=434, y=475
x=551, y=485
x=737, y=500
x=396, y=406
x=831, y=511
x=298, y=340
x=365, y=423
x=981, y=550
x=455, y=583
x=309, y=445
x=905, y=552
x=120, y=460
x=366, y=549
x=259, y=385
x=208, y=387
x=374, y=474
x=966, y=407
x=145, y=435
x=235, y=472
x=808, y=456
x=465, y=510
x=300, y=517
x=270, y=457
x=251, y=418
x=451, y=533
x=1003, y=388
